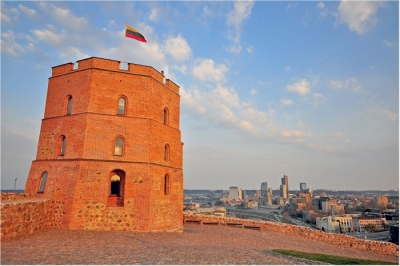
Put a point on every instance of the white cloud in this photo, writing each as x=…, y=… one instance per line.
x=153, y=14
x=358, y=15
x=64, y=17
x=323, y=10
x=351, y=84
x=9, y=44
x=27, y=11
x=178, y=48
x=302, y=87
x=287, y=69
x=318, y=98
x=5, y=18
x=286, y=102
x=388, y=115
x=388, y=43
x=206, y=70
x=253, y=92
x=291, y=6
x=235, y=18
x=249, y=49
x=234, y=49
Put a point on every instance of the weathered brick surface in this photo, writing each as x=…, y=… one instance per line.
x=302, y=231
x=78, y=183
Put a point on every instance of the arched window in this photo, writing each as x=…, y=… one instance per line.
x=165, y=116
x=118, y=146
x=63, y=145
x=117, y=183
x=69, y=105
x=166, y=185
x=121, y=106
x=166, y=152
x=42, y=184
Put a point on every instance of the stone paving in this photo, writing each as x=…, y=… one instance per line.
x=198, y=244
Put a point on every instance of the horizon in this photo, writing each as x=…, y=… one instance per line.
x=305, y=89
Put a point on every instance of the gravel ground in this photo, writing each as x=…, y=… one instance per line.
x=198, y=244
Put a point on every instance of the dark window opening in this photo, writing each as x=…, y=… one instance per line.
x=166, y=152
x=63, y=145
x=166, y=185
x=69, y=106
x=165, y=116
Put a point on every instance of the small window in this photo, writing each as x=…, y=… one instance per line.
x=165, y=116
x=118, y=147
x=43, y=182
x=166, y=184
x=166, y=152
x=121, y=106
x=69, y=105
x=63, y=145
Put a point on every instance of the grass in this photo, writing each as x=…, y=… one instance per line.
x=330, y=258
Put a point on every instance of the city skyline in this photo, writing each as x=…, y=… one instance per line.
x=304, y=89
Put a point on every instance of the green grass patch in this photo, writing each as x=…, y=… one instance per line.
x=330, y=258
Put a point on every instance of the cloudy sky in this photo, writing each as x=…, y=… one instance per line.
x=309, y=89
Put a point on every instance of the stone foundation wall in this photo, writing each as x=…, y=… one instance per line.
x=22, y=215
x=335, y=239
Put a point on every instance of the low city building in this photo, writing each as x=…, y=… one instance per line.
x=327, y=224
x=369, y=224
x=345, y=223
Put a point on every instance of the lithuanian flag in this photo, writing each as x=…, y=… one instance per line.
x=134, y=34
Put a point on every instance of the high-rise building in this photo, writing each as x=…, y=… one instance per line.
x=234, y=193
x=240, y=196
x=310, y=191
x=303, y=187
x=264, y=193
x=269, y=196
x=285, y=185
x=283, y=189
x=244, y=194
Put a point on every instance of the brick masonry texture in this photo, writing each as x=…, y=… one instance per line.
x=79, y=181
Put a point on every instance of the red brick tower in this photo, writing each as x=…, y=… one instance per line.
x=110, y=152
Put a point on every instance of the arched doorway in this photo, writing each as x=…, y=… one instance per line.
x=116, y=186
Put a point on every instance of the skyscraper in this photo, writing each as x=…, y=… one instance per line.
x=303, y=187
x=264, y=193
x=285, y=186
x=234, y=193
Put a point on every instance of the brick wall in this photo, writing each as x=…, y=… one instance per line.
x=334, y=239
x=79, y=180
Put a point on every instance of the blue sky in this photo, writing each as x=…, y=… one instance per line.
x=309, y=89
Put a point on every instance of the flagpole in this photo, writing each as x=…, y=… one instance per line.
x=123, y=45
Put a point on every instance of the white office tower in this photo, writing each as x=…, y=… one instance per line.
x=234, y=193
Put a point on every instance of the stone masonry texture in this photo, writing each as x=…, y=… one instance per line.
x=79, y=180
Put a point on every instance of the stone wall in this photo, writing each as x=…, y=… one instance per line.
x=22, y=215
x=335, y=239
